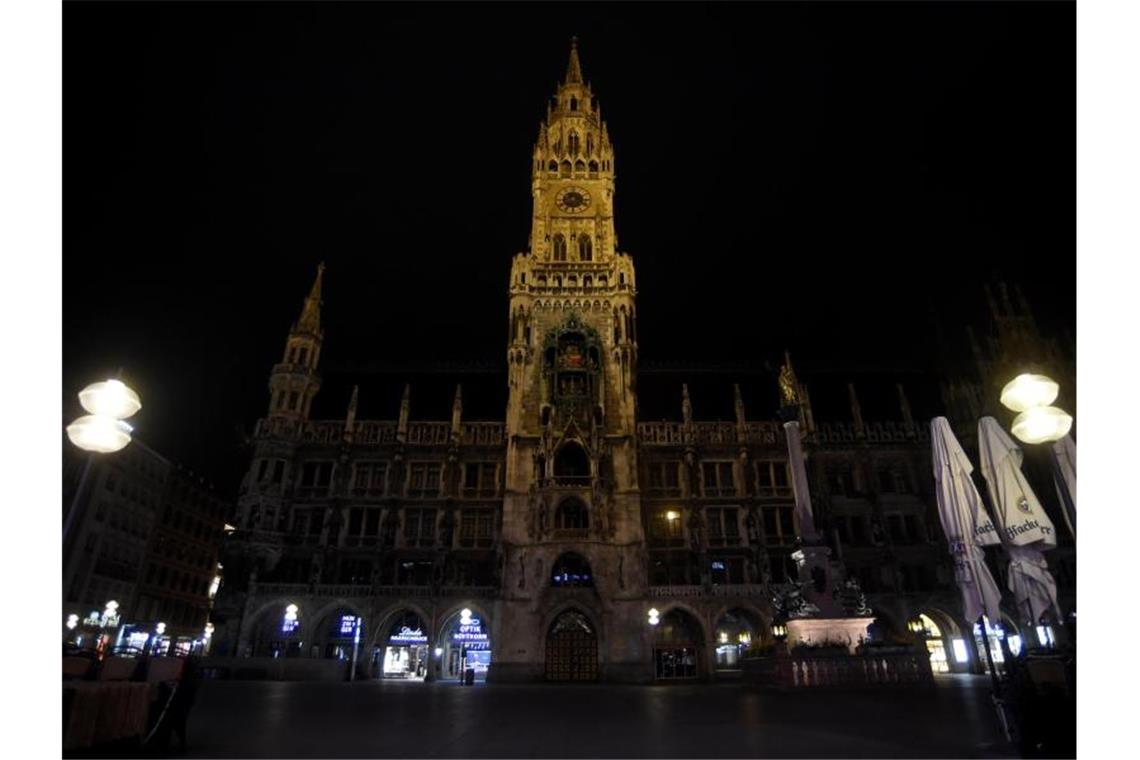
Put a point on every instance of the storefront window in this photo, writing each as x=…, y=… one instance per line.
x=935, y=646
x=994, y=634
x=406, y=655
x=466, y=645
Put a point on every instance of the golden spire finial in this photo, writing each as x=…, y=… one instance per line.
x=311, y=311
x=574, y=67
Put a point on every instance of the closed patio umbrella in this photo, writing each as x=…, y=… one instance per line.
x=964, y=520
x=1025, y=528
x=1065, y=474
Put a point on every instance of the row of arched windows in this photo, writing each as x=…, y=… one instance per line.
x=576, y=169
x=585, y=248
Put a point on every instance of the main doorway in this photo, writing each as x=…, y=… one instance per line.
x=571, y=649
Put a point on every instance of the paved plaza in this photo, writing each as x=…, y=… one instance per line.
x=953, y=718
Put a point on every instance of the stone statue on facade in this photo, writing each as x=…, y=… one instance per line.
x=789, y=388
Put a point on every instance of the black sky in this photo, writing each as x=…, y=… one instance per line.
x=819, y=177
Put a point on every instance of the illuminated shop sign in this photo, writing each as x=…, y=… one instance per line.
x=348, y=625
x=408, y=636
x=470, y=633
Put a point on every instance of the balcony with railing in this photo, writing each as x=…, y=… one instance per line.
x=751, y=590
x=358, y=590
x=668, y=433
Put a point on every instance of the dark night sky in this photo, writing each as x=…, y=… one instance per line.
x=823, y=178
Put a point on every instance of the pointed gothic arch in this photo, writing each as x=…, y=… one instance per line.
x=559, y=247
x=571, y=517
x=585, y=248
x=572, y=143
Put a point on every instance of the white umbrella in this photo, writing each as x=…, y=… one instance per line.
x=1065, y=456
x=1025, y=527
x=964, y=520
x=1066, y=452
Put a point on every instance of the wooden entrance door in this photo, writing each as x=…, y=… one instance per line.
x=571, y=649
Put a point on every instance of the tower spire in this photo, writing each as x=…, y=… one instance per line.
x=311, y=312
x=574, y=66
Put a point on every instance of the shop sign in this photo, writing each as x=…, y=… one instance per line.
x=470, y=633
x=348, y=625
x=408, y=636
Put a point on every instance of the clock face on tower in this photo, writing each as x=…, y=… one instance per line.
x=572, y=200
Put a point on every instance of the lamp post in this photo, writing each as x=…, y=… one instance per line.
x=1038, y=422
x=101, y=431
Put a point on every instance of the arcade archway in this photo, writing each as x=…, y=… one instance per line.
x=571, y=648
x=735, y=631
x=277, y=632
x=677, y=647
x=337, y=634
x=464, y=644
x=402, y=650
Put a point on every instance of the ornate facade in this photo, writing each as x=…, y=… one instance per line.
x=562, y=526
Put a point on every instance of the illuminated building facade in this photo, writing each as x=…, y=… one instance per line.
x=147, y=536
x=560, y=528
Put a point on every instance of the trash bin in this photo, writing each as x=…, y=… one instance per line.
x=469, y=676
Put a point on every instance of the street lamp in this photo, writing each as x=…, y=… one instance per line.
x=101, y=431
x=654, y=616
x=1038, y=422
x=779, y=630
x=916, y=626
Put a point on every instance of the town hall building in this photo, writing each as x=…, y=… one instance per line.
x=571, y=540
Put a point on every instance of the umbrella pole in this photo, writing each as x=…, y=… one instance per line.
x=999, y=703
x=989, y=655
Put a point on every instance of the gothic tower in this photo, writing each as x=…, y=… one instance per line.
x=294, y=382
x=572, y=515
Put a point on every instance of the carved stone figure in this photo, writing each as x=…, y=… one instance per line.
x=789, y=394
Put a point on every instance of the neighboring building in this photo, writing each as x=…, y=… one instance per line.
x=146, y=535
x=536, y=546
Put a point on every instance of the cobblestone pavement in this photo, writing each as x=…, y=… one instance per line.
x=954, y=718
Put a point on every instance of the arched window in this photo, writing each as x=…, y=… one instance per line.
x=579, y=167
x=559, y=247
x=552, y=167
x=572, y=143
x=573, y=103
x=585, y=248
x=571, y=515
x=590, y=146
x=566, y=168
x=571, y=569
x=572, y=462
x=593, y=168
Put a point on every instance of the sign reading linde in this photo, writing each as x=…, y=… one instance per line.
x=408, y=636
